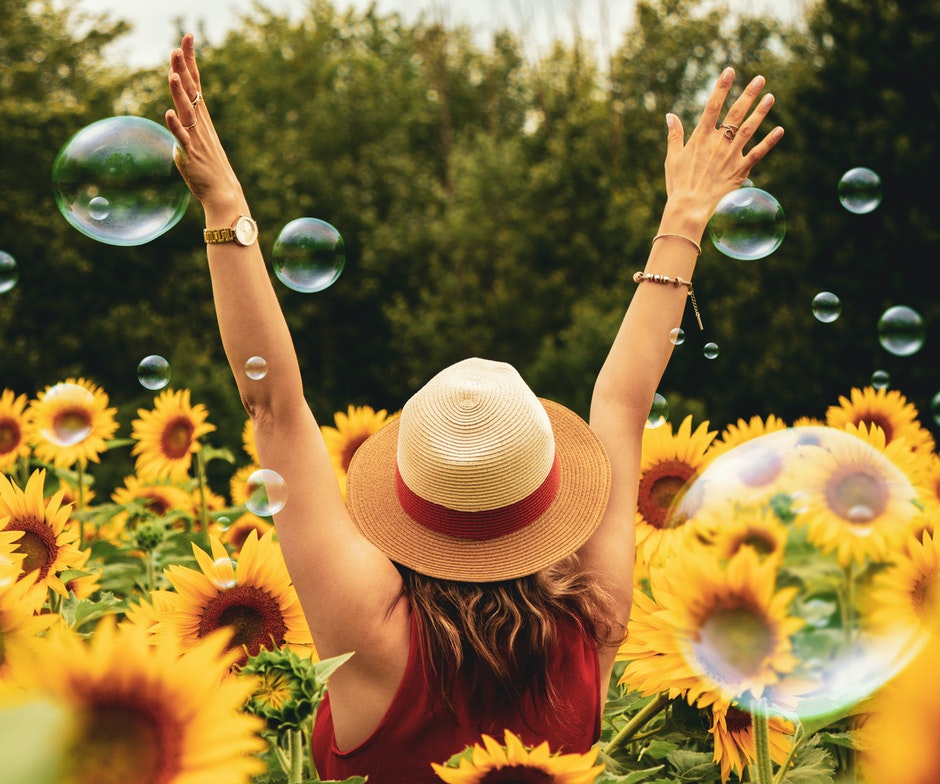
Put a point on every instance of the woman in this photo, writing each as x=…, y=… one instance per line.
x=481, y=567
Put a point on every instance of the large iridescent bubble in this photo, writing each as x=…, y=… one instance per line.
x=116, y=181
x=309, y=255
x=824, y=512
x=748, y=224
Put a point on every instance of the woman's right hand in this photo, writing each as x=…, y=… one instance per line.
x=201, y=159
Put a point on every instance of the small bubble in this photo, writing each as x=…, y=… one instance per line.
x=224, y=573
x=747, y=224
x=266, y=492
x=880, y=379
x=153, y=372
x=71, y=421
x=223, y=522
x=9, y=274
x=710, y=350
x=256, y=368
x=901, y=331
x=677, y=336
x=860, y=190
x=935, y=408
x=309, y=255
x=99, y=208
x=659, y=412
x=827, y=307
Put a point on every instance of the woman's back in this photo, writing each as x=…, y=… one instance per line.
x=419, y=728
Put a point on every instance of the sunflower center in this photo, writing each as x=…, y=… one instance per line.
x=517, y=774
x=156, y=504
x=254, y=614
x=734, y=644
x=177, y=438
x=925, y=596
x=762, y=469
x=661, y=490
x=10, y=435
x=856, y=495
x=38, y=543
x=737, y=720
x=883, y=422
x=121, y=743
x=349, y=449
x=761, y=541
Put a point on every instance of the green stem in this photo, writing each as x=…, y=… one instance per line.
x=201, y=478
x=798, y=737
x=296, y=746
x=151, y=571
x=764, y=770
x=629, y=729
x=80, y=496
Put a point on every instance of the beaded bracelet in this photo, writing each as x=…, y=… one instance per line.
x=639, y=277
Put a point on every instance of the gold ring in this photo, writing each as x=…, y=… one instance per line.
x=197, y=100
x=730, y=131
x=190, y=127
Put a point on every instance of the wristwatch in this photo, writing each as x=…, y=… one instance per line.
x=244, y=231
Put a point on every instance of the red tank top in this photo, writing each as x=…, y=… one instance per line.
x=416, y=730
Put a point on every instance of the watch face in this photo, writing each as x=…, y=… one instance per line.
x=246, y=230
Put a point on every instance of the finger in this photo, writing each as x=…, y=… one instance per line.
x=189, y=56
x=185, y=112
x=740, y=108
x=750, y=126
x=716, y=100
x=763, y=147
x=675, y=136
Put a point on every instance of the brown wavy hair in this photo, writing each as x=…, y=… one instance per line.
x=504, y=632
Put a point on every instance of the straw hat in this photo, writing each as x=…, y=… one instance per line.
x=478, y=479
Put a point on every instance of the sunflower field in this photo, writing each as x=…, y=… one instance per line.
x=787, y=591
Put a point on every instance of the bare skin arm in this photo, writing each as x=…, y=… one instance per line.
x=349, y=589
x=699, y=172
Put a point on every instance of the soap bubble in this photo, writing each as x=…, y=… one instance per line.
x=677, y=336
x=223, y=575
x=256, y=368
x=901, y=331
x=880, y=379
x=827, y=307
x=309, y=255
x=710, y=350
x=748, y=224
x=935, y=408
x=9, y=274
x=821, y=510
x=659, y=412
x=860, y=190
x=153, y=372
x=266, y=492
x=71, y=423
x=116, y=181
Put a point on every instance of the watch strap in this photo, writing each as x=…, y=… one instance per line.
x=215, y=236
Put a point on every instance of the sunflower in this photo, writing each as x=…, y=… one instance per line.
x=234, y=534
x=711, y=631
x=70, y=423
x=144, y=499
x=48, y=543
x=20, y=619
x=13, y=428
x=887, y=409
x=144, y=713
x=745, y=430
x=898, y=734
x=351, y=430
x=733, y=733
x=904, y=598
x=726, y=528
x=856, y=501
x=254, y=595
x=669, y=465
x=248, y=442
x=168, y=435
x=514, y=763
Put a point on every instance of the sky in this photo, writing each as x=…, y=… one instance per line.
x=154, y=21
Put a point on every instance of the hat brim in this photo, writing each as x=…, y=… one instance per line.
x=568, y=522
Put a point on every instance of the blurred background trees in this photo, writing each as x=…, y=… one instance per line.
x=492, y=203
